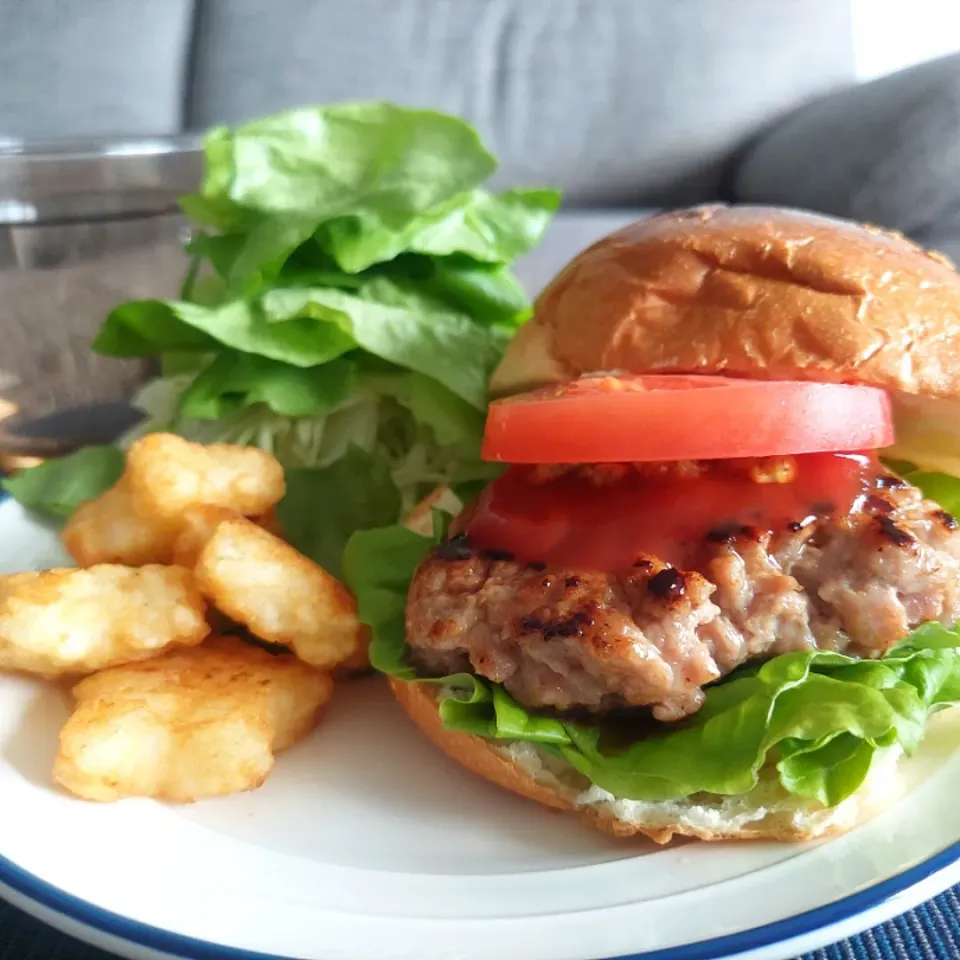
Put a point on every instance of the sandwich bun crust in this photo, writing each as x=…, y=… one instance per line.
x=758, y=292
x=768, y=813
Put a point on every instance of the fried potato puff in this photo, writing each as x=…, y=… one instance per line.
x=197, y=525
x=111, y=529
x=278, y=594
x=168, y=474
x=66, y=622
x=196, y=723
x=139, y=519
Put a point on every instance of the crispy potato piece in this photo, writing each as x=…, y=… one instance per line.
x=278, y=594
x=197, y=526
x=68, y=622
x=167, y=474
x=358, y=663
x=110, y=529
x=194, y=723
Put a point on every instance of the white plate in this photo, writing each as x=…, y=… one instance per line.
x=367, y=843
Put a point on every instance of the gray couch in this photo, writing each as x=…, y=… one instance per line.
x=618, y=101
x=621, y=103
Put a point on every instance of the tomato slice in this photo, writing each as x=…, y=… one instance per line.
x=622, y=419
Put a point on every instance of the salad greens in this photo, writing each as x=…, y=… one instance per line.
x=814, y=720
x=321, y=533
x=349, y=293
x=57, y=487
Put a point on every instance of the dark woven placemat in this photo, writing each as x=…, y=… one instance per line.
x=931, y=932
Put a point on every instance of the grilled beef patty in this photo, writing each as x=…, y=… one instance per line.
x=654, y=635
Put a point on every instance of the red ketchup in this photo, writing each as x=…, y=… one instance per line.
x=576, y=521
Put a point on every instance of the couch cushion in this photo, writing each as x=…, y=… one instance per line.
x=618, y=102
x=887, y=152
x=92, y=67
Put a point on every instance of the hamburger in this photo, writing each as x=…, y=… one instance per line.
x=713, y=591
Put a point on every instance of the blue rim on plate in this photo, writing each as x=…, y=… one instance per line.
x=144, y=935
x=140, y=934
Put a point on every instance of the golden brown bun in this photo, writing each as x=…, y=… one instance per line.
x=471, y=751
x=765, y=814
x=755, y=291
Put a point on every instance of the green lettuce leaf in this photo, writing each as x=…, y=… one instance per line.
x=307, y=327
x=322, y=507
x=307, y=441
x=141, y=328
x=57, y=487
x=264, y=253
x=233, y=381
x=344, y=179
x=430, y=435
x=802, y=700
x=489, y=228
x=487, y=710
x=375, y=159
x=449, y=347
x=939, y=487
x=452, y=419
x=489, y=294
x=221, y=250
x=144, y=327
x=816, y=721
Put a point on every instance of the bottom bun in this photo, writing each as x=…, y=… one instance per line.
x=768, y=812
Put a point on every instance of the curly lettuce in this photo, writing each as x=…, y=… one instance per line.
x=57, y=487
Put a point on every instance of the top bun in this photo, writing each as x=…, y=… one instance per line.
x=758, y=292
